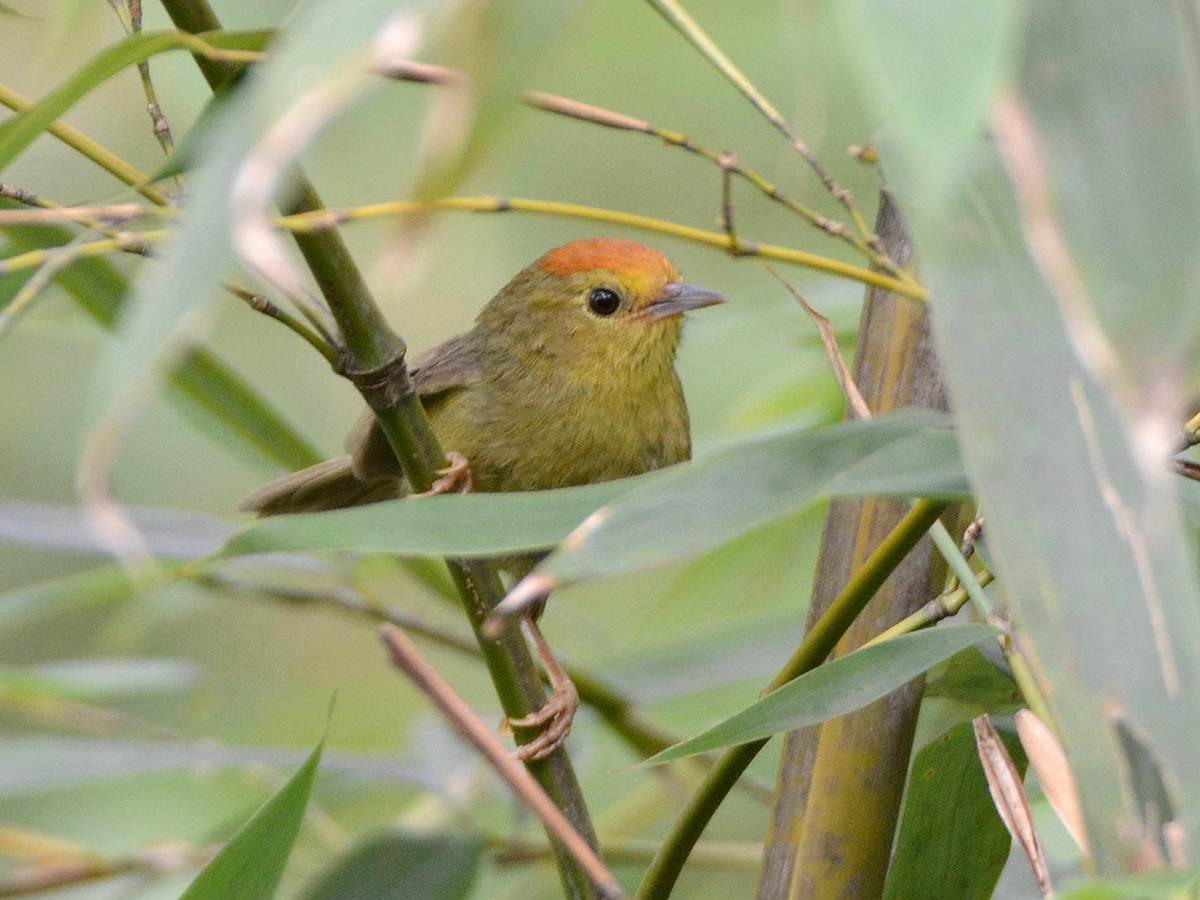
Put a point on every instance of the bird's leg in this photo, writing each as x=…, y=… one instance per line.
x=455, y=478
x=556, y=716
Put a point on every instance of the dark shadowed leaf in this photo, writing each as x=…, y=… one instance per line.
x=952, y=844
x=834, y=689
x=397, y=866
x=250, y=865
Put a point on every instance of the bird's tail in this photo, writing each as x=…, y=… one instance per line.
x=328, y=485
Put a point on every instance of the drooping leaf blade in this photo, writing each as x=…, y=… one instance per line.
x=833, y=689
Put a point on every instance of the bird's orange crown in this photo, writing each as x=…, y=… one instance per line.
x=622, y=257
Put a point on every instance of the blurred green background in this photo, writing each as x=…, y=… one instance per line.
x=691, y=643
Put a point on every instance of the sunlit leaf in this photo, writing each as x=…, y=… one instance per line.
x=395, y=866
x=1161, y=884
x=834, y=689
x=951, y=844
x=251, y=864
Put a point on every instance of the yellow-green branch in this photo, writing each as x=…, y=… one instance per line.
x=319, y=220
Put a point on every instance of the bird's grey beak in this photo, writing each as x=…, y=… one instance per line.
x=679, y=297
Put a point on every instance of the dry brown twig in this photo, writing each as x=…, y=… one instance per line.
x=470, y=726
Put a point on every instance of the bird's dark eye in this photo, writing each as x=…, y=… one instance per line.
x=603, y=301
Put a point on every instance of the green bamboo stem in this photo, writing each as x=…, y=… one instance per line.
x=374, y=362
x=664, y=870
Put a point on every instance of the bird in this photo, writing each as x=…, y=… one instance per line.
x=567, y=378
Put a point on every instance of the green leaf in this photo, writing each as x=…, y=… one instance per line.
x=971, y=678
x=239, y=415
x=1108, y=609
x=186, y=154
x=1046, y=444
x=20, y=131
x=930, y=76
x=396, y=866
x=452, y=525
x=700, y=505
x=250, y=865
x=324, y=36
x=833, y=689
x=952, y=845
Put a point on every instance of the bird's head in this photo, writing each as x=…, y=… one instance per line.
x=603, y=302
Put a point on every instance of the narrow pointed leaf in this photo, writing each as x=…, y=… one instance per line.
x=834, y=689
x=456, y=525
x=250, y=866
x=726, y=493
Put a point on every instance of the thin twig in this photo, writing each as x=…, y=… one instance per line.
x=696, y=36
x=934, y=611
x=855, y=403
x=596, y=115
x=529, y=792
x=317, y=337
x=32, y=289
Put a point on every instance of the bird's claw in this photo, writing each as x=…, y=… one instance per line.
x=555, y=720
x=455, y=478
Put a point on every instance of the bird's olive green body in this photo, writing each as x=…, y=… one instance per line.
x=543, y=392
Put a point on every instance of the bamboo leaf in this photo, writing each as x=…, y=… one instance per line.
x=453, y=525
x=323, y=38
x=396, y=866
x=1062, y=272
x=931, y=94
x=239, y=415
x=833, y=689
x=703, y=504
x=20, y=131
x=1161, y=884
x=250, y=866
x=678, y=512
x=951, y=845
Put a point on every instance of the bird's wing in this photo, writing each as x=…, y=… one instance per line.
x=445, y=368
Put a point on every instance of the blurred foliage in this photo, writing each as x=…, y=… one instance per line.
x=140, y=710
